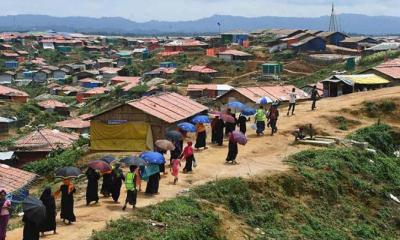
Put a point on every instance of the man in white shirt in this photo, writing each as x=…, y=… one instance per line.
x=292, y=101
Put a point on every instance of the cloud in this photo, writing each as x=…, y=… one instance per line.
x=140, y=10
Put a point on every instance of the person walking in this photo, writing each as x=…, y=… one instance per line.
x=154, y=177
x=176, y=163
x=213, y=130
x=189, y=157
x=31, y=229
x=130, y=185
x=232, y=150
x=219, y=131
x=230, y=126
x=292, y=101
x=92, y=189
x=4, y=213
x=67, y=191
x=201, y=136
x=260, y=121
x=49, y=202
x=314, y=97
x=273, y=115
x=241, y=122
x=117, y=177
x=107, y=186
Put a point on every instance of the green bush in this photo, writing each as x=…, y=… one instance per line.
x=378, y=57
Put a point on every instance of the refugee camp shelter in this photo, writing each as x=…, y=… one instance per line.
x=310, y=44
x=207, y=90
x=238, y=37
x=54, y=106
x=199, y=72
x=389, y=70
x=90, y=83
x=234, y=55
x=333, y=38
x=77, y=125
x=41, y=142
x=13, y=95
x=8, y=158
x=7, y=77
x=338, y=85
x=358, y=42
x=135, y=125
x=6, y=124
x=15, y=181
x=252, y=95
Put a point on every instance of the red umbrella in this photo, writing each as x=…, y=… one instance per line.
x=239, y=137
x=100, y=166
x=165, y=145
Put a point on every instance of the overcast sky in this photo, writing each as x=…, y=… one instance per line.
x=145, y=10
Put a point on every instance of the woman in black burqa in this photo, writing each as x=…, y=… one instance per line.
x=92, y=189
x=49, y=202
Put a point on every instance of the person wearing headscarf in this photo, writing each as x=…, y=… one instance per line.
x=31, y=229
x=176, y=152
x=107, y=186
x=232, y=150
x=117, y=178
x=189, y=157
x=130, y=185
x=273, y=115
x=241, y=122
x=230, y=126
x=67, y=191
x=162, y=166
x=92, y=189
x=4, y=213
x=201, y=136
x=260, y=118
x=49, y=202
x=153, y=182
x=213, y=132
x=219, y=131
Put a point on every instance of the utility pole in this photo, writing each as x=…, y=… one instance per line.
x=333, y=23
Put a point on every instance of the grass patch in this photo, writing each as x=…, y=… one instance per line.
x=343, y=123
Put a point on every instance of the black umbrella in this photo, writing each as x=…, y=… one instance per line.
x=34, y=210
x=132, y=160
x=68, y=172
x=108, y=159
x=174, y=135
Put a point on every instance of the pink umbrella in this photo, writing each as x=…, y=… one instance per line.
x=165, y=145
x=100, y=165
x=239, y=137
x=224, y=116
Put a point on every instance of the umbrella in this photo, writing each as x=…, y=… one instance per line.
x=165, y=145
x=239, y=137
x=133, y=160
x=108, y=159
x=264, y=100
x=227, y=118
x=34, y=210
x=248, y=111
x=174, y=135
x=100, y=165
x=152, y=157
x=68, y=172
x=236, y=105
x=201, y=119
x=187, y=127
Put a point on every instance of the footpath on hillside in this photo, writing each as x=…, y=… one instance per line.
x=262, y=155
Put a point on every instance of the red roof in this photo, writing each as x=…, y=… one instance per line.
x=45, y=140
x=98, y=90
x=169, y=107
x=235, y=53
x=51, y=104
x=13, y=179
x=390, y=68
x=74, y=123
x=12, y=92
x=186, y=43
x=85, y=116
x=121, y=79
x=280, y=93
x=110, y=70
x=165, y=54
x=7, y=54
x=201, y=69
x=162, y=70
x=89, y=80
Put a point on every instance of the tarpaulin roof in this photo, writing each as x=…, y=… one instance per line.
x=169, y=107
x=44, y=140
x=97, y=90
x=280, y=93
x=186, y=43
x=11, y=92
x=51, y=104
x=362, y=79
x=74, y=123
x=201, y=69
x=122, y=79
x=201, y=87
x=390, y=68
x=13, y=179
x=235, y=53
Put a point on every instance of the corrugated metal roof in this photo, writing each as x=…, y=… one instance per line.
x=169, y=107
x=12, y=92
x=45, y=140
x=280, y=93
x=201, y=87
x=201, y=69
x=12, y=179
x=235, y=53
x=363, y=79
x=51, y=104
x=75, y=123
x=390, y=68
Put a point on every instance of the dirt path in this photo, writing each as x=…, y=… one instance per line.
x=262, y=155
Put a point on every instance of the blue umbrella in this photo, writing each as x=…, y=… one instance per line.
x=236, y=105
x=108, y=159
x=201, y=119
x=265, y=100
x=133, y=160
x=152, y=157
x=174, y=136
x=248, y=111
x=187, y=127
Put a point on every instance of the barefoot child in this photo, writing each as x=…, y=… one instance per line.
x=175, y=164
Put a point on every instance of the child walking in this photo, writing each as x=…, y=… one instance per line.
x=175, y=164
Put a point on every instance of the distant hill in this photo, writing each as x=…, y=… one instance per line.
x=351, y=23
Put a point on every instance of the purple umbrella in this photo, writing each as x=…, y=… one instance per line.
x=165, y=145
x=100, y=165
x=239, y=137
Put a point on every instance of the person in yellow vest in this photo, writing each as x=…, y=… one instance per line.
x=130, y=185
x=260, y=121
